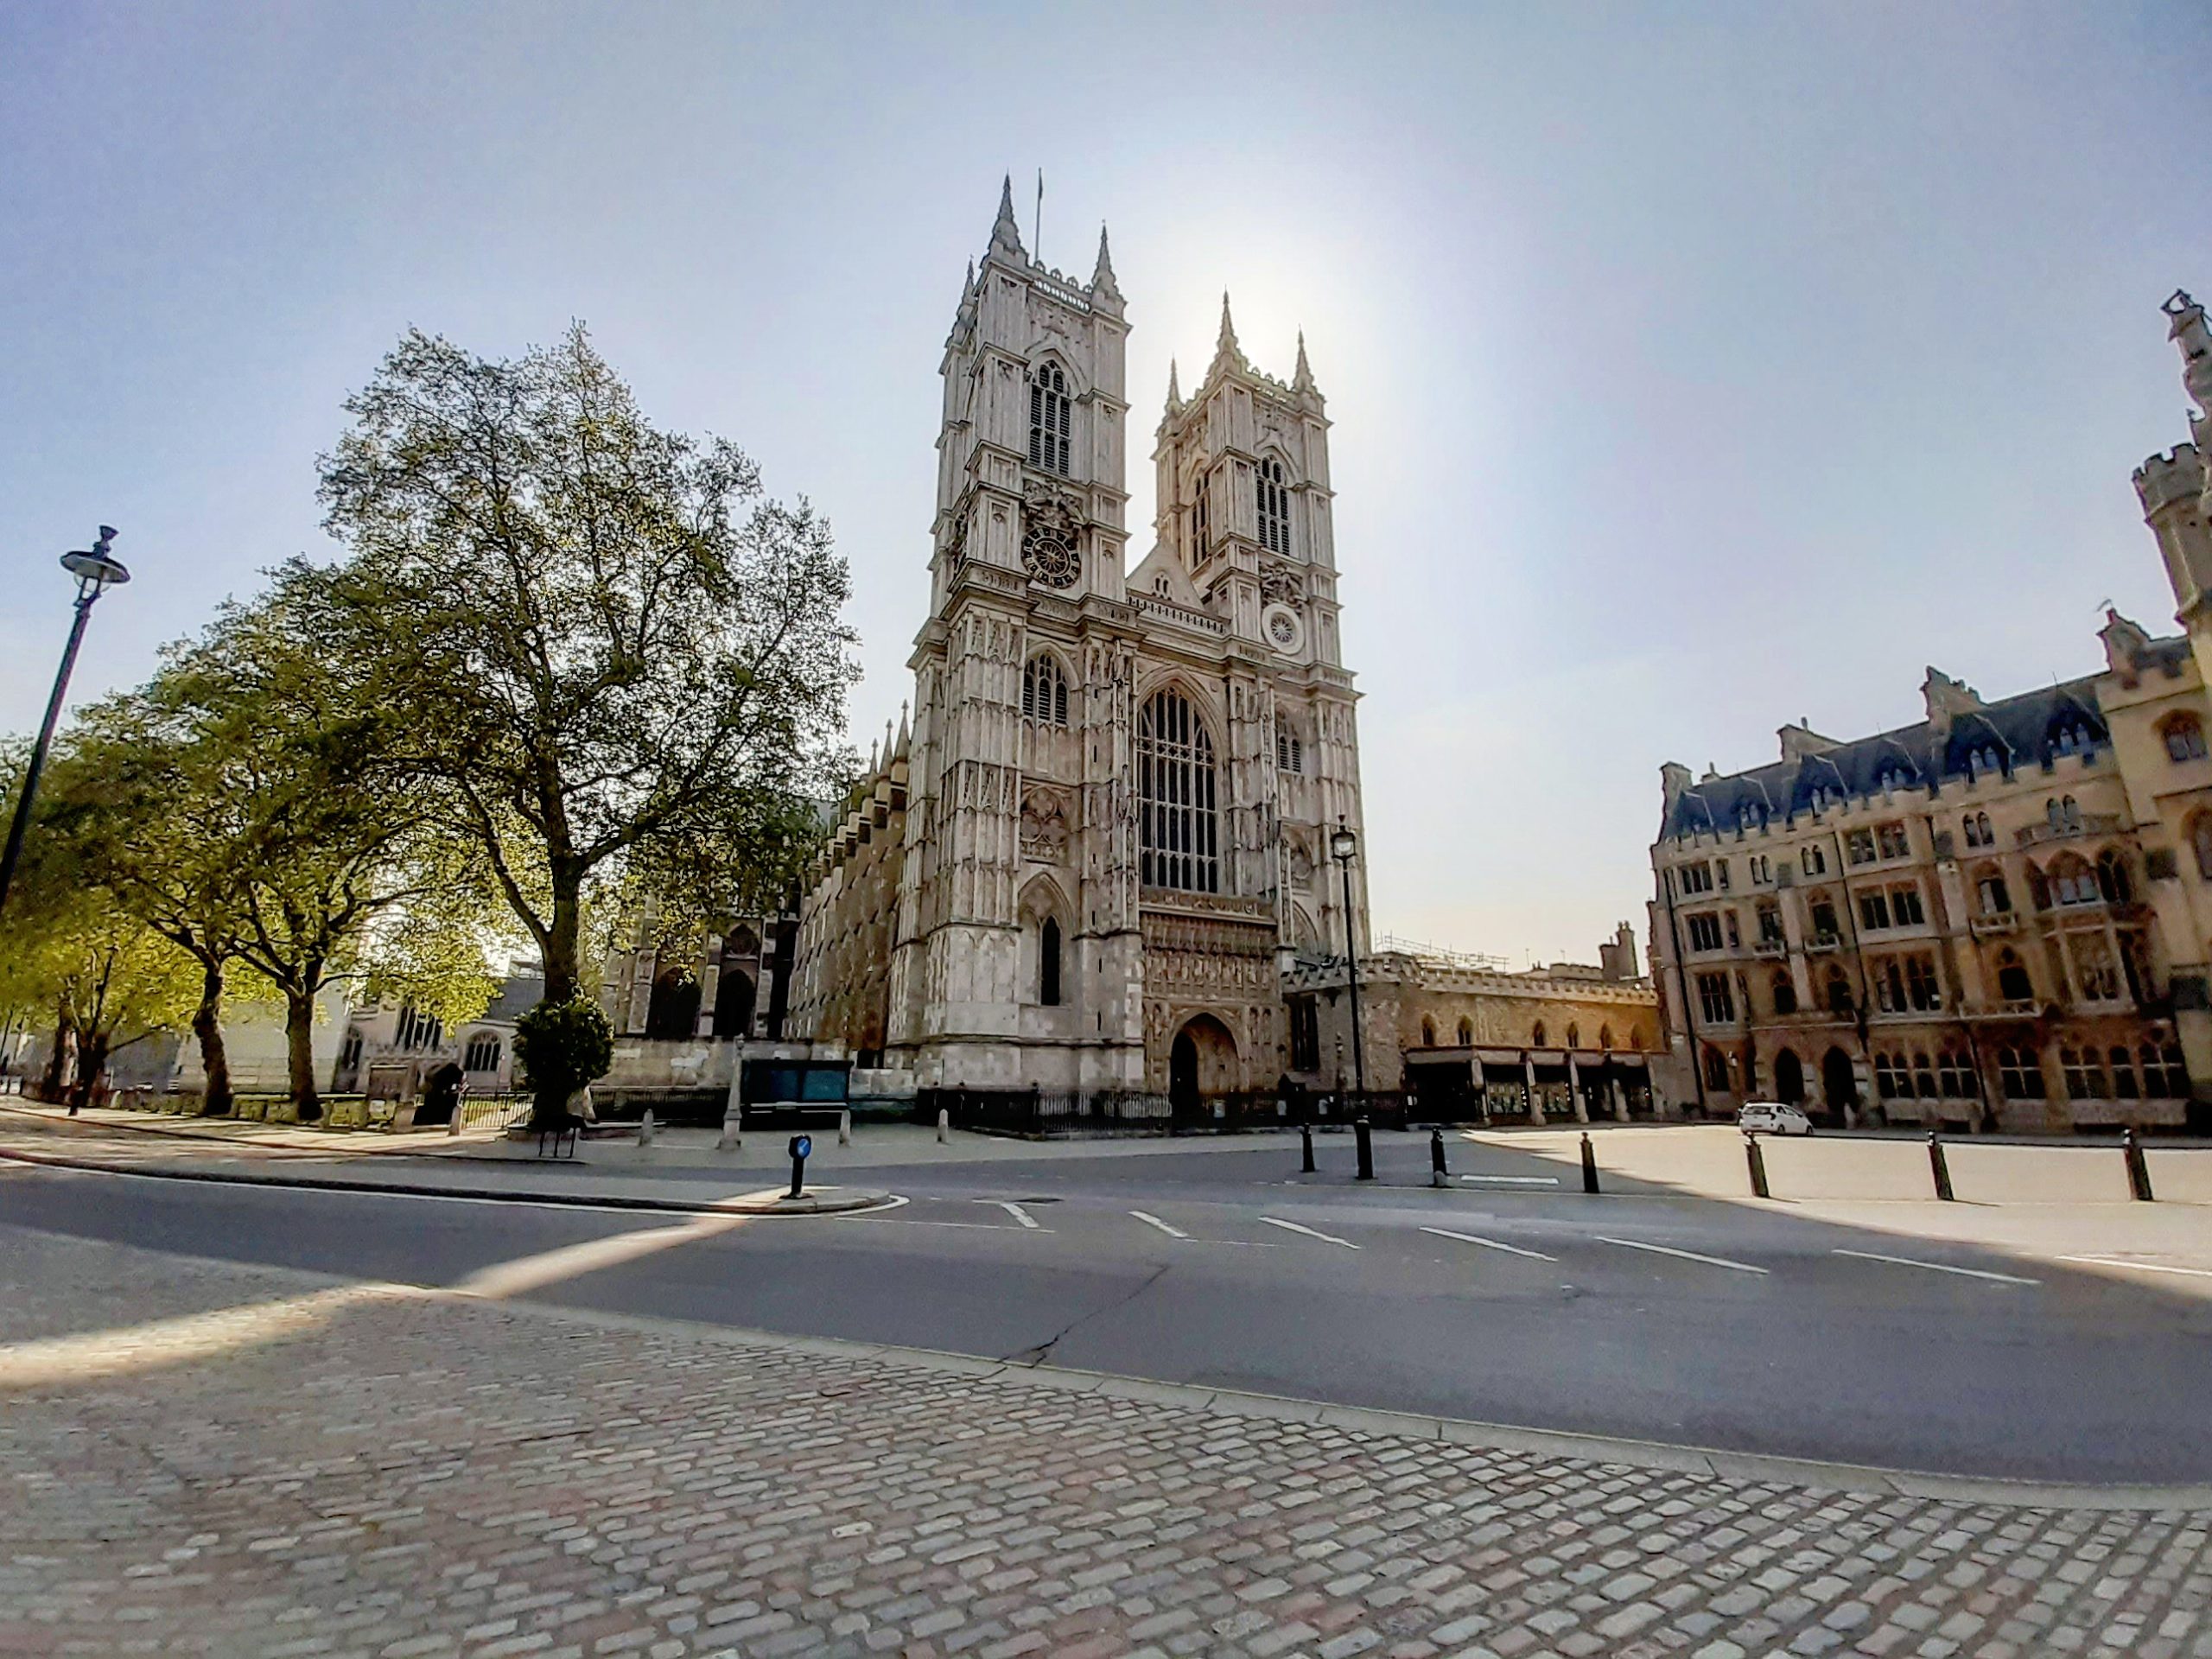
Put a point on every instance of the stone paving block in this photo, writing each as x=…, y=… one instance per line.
x=413, y=1477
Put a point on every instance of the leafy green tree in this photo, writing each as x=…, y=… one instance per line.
x=596, y=640
x=68, y=947
x=562, y=1046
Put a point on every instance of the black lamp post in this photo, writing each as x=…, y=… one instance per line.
x=95, y=568
x=1342, y=844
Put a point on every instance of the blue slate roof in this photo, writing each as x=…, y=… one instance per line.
x=2008, y=736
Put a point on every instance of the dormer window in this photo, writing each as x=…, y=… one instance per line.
x=1893, y=777
x=1052, y=417
x=1274, y=508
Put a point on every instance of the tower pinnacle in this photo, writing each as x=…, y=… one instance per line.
x=1101, y=276
x=1006, y=235
x=1228, y=340
x=1175, y=391
x=1303, y=380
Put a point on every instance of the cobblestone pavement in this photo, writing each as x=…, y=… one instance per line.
x=212, y=1459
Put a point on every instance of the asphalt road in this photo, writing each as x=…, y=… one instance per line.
x=1510, y=1301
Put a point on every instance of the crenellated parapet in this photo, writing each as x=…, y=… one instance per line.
x=2174, y=479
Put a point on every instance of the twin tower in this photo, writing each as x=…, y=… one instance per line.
x=1089, y=864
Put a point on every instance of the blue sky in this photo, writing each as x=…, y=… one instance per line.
x=1694, y=367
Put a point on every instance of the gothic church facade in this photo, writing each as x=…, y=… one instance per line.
x=1102, y=845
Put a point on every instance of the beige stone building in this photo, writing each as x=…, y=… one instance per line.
x=1088, y=866
x=1471, y=1038
x=1998, y=915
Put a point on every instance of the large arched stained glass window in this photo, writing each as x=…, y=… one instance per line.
x=1175, y=796
x=1051, y=416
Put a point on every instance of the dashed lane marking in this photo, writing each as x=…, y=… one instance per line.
x=1939, y=1267
x=1294, y=1227
x=1490, y=1243
x=1155, y=1221
x=1509, y=1180
x=1686, y=1255
x=2138, y=1267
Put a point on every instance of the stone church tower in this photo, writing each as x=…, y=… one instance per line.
x=1112, y=812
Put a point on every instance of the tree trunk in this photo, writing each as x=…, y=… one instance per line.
x=299, y=1050
x=57, y=1063
x=562, y=977
x=207, y=1027
x=92, y=1063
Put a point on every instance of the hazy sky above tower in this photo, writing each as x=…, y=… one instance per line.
x=1694, y=368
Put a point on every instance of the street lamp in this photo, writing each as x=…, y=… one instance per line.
x=1343, y=843
x=94, y=569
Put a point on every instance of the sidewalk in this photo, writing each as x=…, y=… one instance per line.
x=260, y=1464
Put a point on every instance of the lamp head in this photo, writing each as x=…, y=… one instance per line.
x=1343, y=842
x=97, y=567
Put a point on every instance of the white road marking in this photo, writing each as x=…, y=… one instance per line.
x=1939, y=1267
x=1019, y=1214
x=2138, y=1267
x=1155, y=1221
x=1490, y=1243
x=1293, y=1227
x=1511, y=1181
x=1686, y=1255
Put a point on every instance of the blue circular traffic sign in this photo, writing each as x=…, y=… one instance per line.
x=801, y=1146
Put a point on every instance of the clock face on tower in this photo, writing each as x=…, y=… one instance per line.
x=1283, y=629
x=1049, y=532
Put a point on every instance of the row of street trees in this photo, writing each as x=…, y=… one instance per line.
x=567, y=659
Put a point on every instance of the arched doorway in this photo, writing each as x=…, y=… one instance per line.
x=1201, y=1063
x=733, y=1000
x=1838, y=1083
x=441, y=1096
x=1789, y=1079
x=673, y=1013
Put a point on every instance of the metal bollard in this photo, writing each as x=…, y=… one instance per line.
x=453, y=1123
x=1589, y=1163
x=1366, y=1139
x=801, y=1145
x=1756, y=1159
x=733, y=1137
x=1438, y=1175
x=1305, y=1143
x=845, y=1128
x=2138, y=1169
x=1941, y=1165
x=944, y=1123
x=645, y=1128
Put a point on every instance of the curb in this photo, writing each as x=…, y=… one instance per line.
x=850, y=1199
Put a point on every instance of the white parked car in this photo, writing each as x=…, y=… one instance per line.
x=1772, y=1118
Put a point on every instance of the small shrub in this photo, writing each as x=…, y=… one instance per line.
x=560, y=1047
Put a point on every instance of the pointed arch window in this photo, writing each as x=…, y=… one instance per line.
x=1052, y=417
x=1044, y=692
x=1466, y=1033
x=2184, y=735
x=1290, y=752
x=1048, y=963
x=1275, y=507
x=1179, y=833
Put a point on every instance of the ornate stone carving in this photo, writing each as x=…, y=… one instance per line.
x=1297, y=860
x=1050, y=527
x=1043, y=826
x=1280, y=585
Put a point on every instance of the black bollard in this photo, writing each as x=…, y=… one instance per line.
x=1305, y=1143
x=1438, y=1174
x=800, y=1147
x=1360, y=1133
x=1756, y=1159
x=1589, y=1163
x=1941, y=1165
x=2138, y=1169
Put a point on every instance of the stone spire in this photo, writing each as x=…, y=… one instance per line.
x=903, y=733
x=1175, y=391
x=1006, y=235
x=1101, y=275
x=1226, y=345
x=2190, y=333
x=1303, y=380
